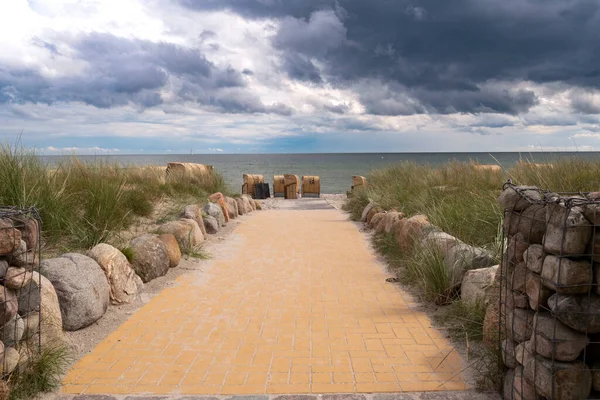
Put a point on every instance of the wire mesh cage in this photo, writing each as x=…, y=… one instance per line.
x=20, y=289
x=550, y=297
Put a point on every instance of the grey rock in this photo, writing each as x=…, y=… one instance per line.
x=211, y=224
x=558, y=380
x=478, y=285
x=519, y=324
x=193, y=211
x=19, y=256
x=524, y=351
x=508, y=353
x=515, y=300
x=186, y=231
x=81, y=287
x=519, y=197
x=581, y=313
x=215, y=211
x=555, y=339
x=462, y=257
x=507, y=386
x=8, y=305
x=366, y=210
x=51, y=317
x=32, y=324
x=564, y=275
x=538, y=294
x=568, y=232
x=518, y=278
x=531, y=223
x=150, y=257
x=522, y=389
x=516, y=248
x=12, y=332
x=9, y=360
x=534, y=258
x=3, y=268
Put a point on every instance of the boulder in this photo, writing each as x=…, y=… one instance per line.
x=219, y=199
x=508, y=353
x=524, y=351
x=519, y=197
x=581, y=313
x=232, y=207
x=516, y=249
x=19, y=256
x=519, y=324
x=534, y=258
x=150, y=257
x=371, y=214
x=13, y=331
x=568, y=233
x=376, y=221
x=566, y=276
x=366, y=210
x=9, y=360
x=460, y=258
x=522, y=389
x=123, y=283
x=82, y=289
x=173, y=249
x=518, y=278
x=390, y=219
x=30, y=298
x=16, y=278
x=10, y=237
x=3, y=268
x=30, y=231
x=412, y=229
x=32, y=324
x=538, y=294
x=250, y=202
x=193, y=211
x=186, y=232
x=531, y=223
x=8, y=305
x=559, y=380
x=240, y=206
x=211, y=224
x=216, y=212
x=553, y=339
x=440, y=241
x=478, y=284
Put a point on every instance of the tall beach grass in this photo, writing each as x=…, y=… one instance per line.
x=82, y=204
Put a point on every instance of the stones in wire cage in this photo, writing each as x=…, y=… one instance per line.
x=550, y=294
x=19, y=293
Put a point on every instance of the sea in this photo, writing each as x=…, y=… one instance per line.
x=335, y=170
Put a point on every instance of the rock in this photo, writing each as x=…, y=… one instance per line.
x=516, y=249
x=173, y=249
x=568, y=231
x=19, y=256
x=8, y=305
x=10, y=360
x=123, y=282
x=519, y=197
x=440, y=241
x=516, y=300
x=558, y=380
x=211, y=224
x=596, y=376
x=13, y=331
x=257, y=205
x=250, y=202
x=581, y=313
x=193, y=211
x=478, y=284
x=460, y=258
x=411, y=230
x=507, y=386
x=390, y=219
x=29, y=302
x=519, y=324
x=508, y=353
x=3, y=268
x=16, y=278
x=518, y=278
x=531, y=223
x=150, y=257
x=32, y=324
x=186, y=232
x=219, y=199
x=538, y=294
x=10, y=237
x=534, y=258
x=232, y=207
x=215, y=211
x=240, y=206
x=376, y=221
x=366, y=210
x=371, y=214
x=524, y=351
x=566, y=276
x=553, y=339
x=591, y=212
x=522, y=389
x=30, y=231
x=82, y=289
x=491, y=325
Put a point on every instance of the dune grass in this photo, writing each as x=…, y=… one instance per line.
x=83, y=204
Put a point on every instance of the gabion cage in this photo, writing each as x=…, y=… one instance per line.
x=20, y=288
x=550, y=294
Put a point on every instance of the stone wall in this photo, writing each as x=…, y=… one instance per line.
x=549, y=297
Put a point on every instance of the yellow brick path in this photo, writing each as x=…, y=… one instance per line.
x=300, y=307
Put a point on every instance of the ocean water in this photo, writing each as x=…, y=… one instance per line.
x=335, y=170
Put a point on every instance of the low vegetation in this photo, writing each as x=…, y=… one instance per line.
x=83, y=204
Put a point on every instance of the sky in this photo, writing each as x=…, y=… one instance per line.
x=284, y=76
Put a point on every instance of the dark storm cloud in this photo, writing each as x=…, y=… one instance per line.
x=121, y=71
x=443, y=53
x=301, y=68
